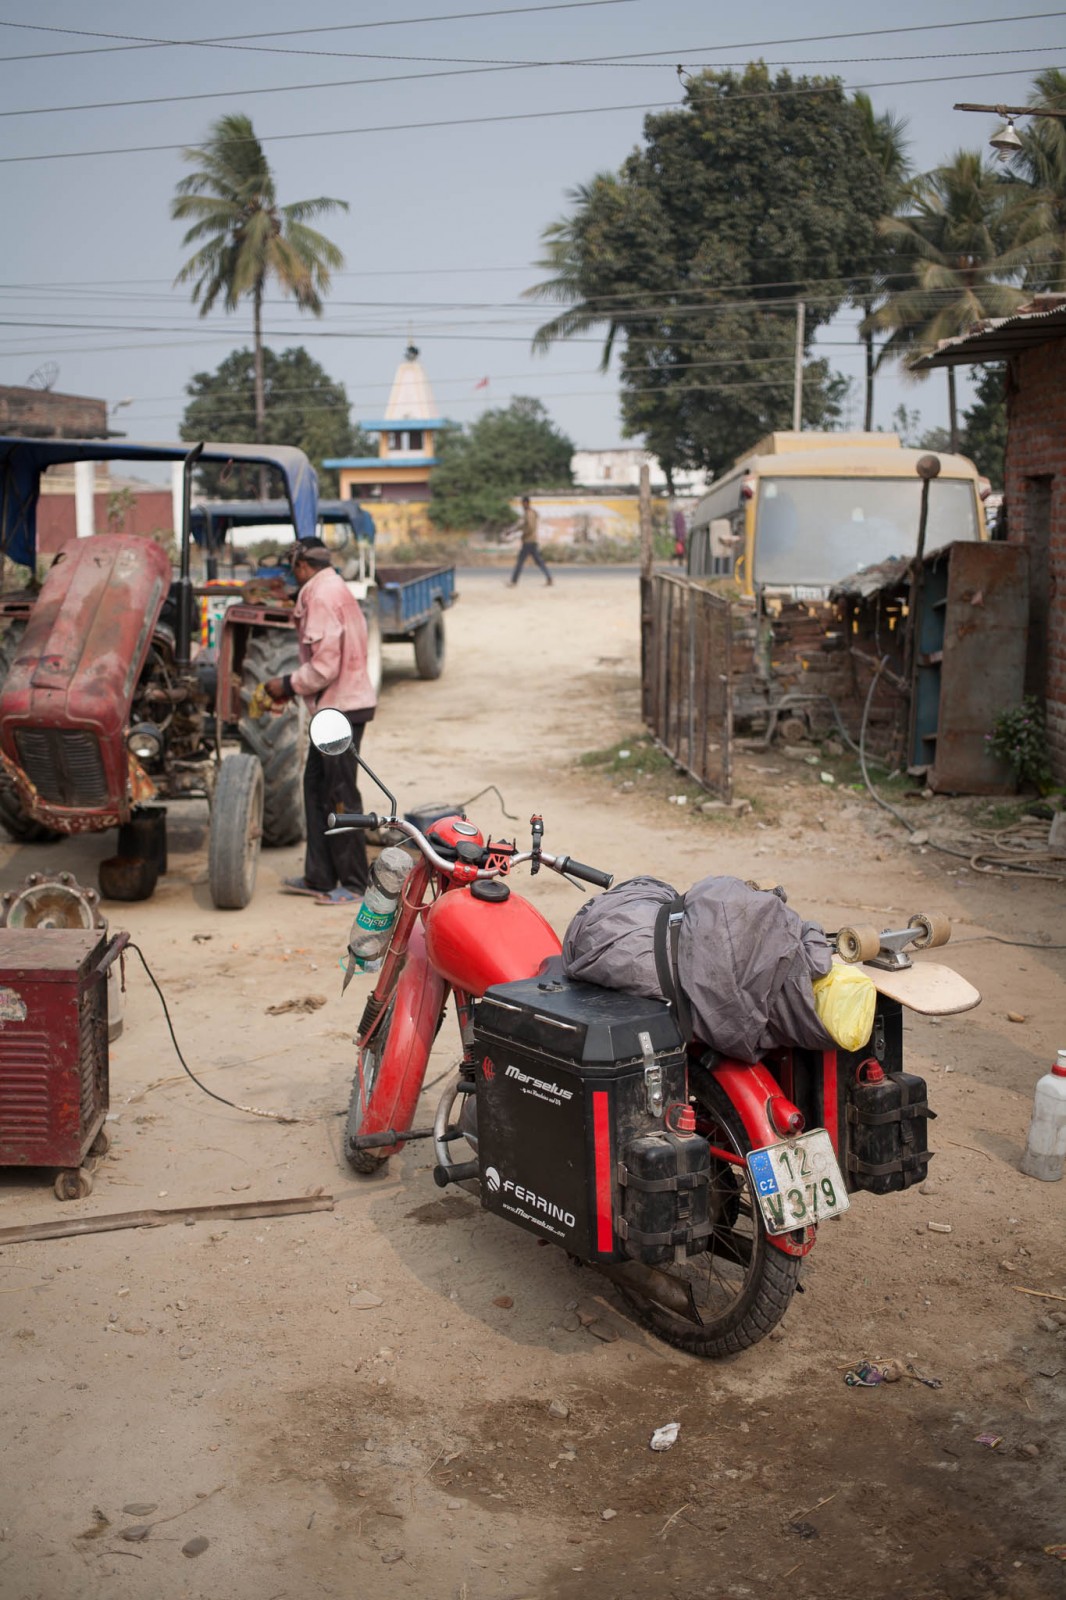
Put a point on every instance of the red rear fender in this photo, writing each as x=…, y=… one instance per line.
x=749, y=1089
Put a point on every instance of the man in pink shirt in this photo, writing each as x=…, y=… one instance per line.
x=331, y=629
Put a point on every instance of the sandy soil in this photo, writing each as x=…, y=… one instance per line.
x=215, y=1382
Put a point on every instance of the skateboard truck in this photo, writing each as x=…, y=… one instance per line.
x=887, y=950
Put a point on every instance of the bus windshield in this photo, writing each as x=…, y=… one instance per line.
x=811, y=532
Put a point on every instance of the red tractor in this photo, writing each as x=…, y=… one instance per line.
x=108, y=709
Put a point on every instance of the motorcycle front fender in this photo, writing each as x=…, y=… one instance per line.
x=749, y=1089
x=417, y=1007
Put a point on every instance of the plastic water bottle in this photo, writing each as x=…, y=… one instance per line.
x=369, y=938
x=1045, y=1148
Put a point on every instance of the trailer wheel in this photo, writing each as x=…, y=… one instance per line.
x=21, y=827
x=279, y=741
x=73, y=1183
x=236, y=832
x=429, y=646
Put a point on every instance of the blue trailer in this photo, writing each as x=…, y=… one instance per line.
x=402, y=604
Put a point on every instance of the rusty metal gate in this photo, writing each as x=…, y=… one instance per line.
x=685, y=677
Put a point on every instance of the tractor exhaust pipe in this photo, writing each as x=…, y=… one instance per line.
x=183, y=650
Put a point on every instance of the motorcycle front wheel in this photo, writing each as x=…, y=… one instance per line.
x=367, y=1162
x=741, y=1285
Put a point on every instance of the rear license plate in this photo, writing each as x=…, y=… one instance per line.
x=798, y=1183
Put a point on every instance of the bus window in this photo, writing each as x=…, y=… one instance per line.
x=815, y=531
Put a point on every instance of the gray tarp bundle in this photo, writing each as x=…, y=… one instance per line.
x=745, y=961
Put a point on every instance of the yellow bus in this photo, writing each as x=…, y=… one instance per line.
x=801, y=511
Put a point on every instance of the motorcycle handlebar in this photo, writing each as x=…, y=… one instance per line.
x=343, y=820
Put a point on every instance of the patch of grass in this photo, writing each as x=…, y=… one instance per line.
x=630, y=758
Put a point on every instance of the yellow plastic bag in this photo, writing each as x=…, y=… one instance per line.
x=845, y=1000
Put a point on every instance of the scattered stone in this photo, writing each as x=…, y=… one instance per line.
x=1015, y=1016
x=601, y=1331
x=605, y=1516
x=390, y=1557
x=827, y=777
x=504, y=1302
x=928, y=1187
x=832, y=747
x=559, y=1409
x=365, y=1300
x=185, y=1351
x=140, y=1509
x=806, y=1530
x=1047, y=1324
x=918, y=838
x=455, y=1505
x=665, y=1436
x=195, y=1547
x=136, y=1534
x=1030, y=1450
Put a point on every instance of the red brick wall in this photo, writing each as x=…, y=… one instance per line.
x=1036, y=448
x=152, y=512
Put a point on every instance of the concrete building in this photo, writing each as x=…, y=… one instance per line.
x=616, y=470
x=1032, y=342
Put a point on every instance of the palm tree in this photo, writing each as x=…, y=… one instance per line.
x=1040, y=206
x=884, y=140
x=956, y=233
x=245, y=237
x=578, y=253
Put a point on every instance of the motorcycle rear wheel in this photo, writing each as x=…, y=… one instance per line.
x=367, y=1162
x=741, y=1284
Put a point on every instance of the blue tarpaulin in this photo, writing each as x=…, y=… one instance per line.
x=23, y=460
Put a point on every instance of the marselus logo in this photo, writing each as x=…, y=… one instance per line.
x=527, y=1080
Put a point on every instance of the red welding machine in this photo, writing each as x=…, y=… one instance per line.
x=53, y=1050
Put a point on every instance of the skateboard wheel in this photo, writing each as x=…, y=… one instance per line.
x=933, y=930
x=858, y=944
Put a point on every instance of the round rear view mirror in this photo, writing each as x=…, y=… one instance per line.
x=331, y=732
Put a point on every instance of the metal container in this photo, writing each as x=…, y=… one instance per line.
x=53, y=1047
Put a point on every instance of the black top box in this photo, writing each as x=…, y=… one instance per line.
x=590, y=1028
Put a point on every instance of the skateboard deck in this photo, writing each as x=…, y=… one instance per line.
x=926, y=987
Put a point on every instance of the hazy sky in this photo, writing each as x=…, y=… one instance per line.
x=444, y=228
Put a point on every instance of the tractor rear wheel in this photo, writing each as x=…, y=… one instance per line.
x=279, y=741
x=236, y=832
x=15, y=820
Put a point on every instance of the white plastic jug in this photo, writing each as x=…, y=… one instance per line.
x=1045, y=1148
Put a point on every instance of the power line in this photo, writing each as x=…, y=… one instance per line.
x=514, y=116
x=479, y=67
x=235, y=41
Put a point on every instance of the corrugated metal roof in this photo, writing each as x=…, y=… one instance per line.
x=999, y=338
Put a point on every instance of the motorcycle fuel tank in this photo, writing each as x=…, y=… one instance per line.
x=475, y=940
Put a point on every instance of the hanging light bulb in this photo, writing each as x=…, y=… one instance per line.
x=1006, y=141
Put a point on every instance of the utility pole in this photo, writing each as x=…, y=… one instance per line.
x=797, y=384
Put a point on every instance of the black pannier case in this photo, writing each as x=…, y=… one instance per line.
x=569, y=1078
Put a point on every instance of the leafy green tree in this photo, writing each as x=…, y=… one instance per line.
x=245, y=237
x=753, y=194
x=957, y=231
x=508, y=451
x=984, y=438
x=305, y=407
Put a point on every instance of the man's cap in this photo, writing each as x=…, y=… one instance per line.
x=313, y=551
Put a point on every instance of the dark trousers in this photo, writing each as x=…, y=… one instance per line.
x=331, y=783
x=531, y=552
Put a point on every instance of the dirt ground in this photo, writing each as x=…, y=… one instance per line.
x=216, y=1382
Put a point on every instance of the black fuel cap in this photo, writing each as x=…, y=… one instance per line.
x=490, y=889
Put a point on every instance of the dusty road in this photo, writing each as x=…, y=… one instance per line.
x=216, y=1382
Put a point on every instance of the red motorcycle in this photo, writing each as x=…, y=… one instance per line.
x=688, y=1179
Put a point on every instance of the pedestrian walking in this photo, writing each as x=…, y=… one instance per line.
x=332, y=634
x=530, y=548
